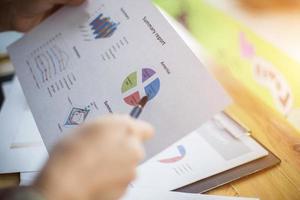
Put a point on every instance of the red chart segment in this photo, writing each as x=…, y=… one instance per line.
x=133, y=99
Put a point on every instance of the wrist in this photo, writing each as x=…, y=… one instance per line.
x=50, y=187
x=24, y=193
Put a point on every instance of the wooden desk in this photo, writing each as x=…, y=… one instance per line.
x=270, y=128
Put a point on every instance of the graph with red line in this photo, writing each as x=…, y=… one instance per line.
x=180, y=155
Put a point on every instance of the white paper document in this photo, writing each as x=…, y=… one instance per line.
x=6, y=87
x=208, y=151
x=27, y=178
x=135, y=194
x=103, y=57
x=21, y=146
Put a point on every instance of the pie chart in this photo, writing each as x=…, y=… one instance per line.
x=139, y=84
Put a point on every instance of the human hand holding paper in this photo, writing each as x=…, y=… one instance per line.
x=22, y=15
x=81, y=67
x=99, y=161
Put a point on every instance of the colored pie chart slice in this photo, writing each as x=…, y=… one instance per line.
x=130, y=82
x=133, y=99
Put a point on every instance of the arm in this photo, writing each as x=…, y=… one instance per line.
x=23, y=15
x=98, y=161
x=21, y=193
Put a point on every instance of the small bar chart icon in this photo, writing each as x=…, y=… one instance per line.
x=103, y=27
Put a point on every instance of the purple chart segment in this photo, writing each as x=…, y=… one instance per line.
x=147, y=73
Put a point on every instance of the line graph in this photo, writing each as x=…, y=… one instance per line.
x=49, y=60
x=50, y=65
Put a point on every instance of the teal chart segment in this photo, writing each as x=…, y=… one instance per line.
x=131, y=88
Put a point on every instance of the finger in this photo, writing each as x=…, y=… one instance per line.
x=138, y=128
x=112, y=195
x=137, y=151
x=142, y=130
x=74, y=2
x=67, y=2
x=122, y=124
x=24, y=24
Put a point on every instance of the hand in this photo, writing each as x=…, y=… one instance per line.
x=97, y=162
x=23, y=15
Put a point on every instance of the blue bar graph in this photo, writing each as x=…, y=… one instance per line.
x=103, y=27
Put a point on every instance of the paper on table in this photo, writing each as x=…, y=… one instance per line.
x=27, y=178
x=21, y=146
x=135, y=194
x=6, y=87
x=208, y=151
x=102, y=58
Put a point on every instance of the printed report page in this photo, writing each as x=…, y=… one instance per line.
x=103, y=57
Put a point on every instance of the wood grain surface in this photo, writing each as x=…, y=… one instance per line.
x=272, y=130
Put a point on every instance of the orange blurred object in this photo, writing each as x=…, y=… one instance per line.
x=268, y=5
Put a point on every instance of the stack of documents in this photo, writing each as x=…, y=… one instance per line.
x=21, y=148
x=103, y=58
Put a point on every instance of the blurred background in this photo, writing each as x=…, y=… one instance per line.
x=6, y=69
x=254, y=41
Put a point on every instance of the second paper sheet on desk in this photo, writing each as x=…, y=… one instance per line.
x=102, y=57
